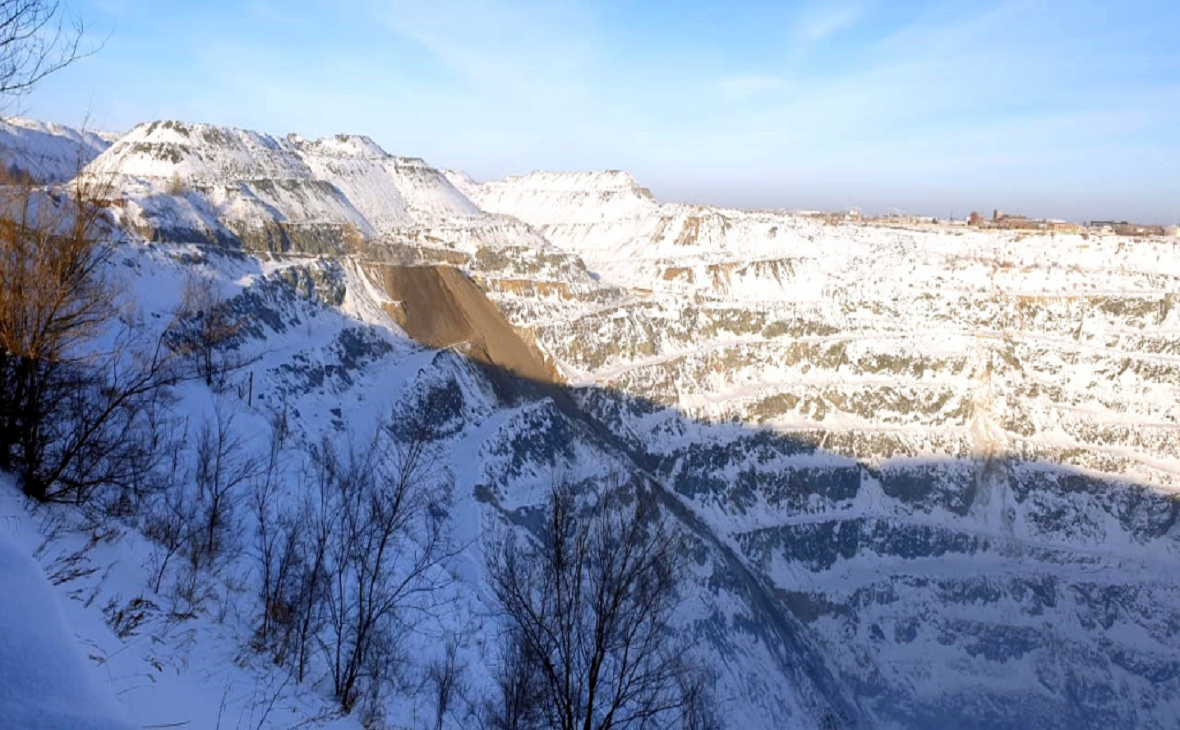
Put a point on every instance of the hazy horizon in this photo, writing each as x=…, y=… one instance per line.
x=1042, y=107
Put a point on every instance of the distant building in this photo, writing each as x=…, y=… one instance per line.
x=1123, y=228
x=1106, y=224
x=901, y=219
x=1150, y=231
x=1004, y=221
x=1018, y=223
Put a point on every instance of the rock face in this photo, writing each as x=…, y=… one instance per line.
x=930, y=474
x=899, y=342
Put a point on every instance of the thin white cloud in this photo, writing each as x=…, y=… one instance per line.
x=824, y=20
x=853, y=97
x=539, y=48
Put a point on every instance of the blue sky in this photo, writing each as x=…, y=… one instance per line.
x=1065, y=108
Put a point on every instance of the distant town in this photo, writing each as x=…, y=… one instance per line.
x=1002, y=220
x=999, y=220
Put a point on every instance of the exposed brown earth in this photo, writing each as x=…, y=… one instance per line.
x=440, y=306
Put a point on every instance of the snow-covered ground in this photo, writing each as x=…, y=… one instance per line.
x=930, y=473
x=45, y=681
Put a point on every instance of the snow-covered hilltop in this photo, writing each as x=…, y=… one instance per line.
x=46, y=151
x=930, y=473
x=205, y=184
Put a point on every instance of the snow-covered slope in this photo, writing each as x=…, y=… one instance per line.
x=613, y=222
x=45, y=682
x=46, y=151
x=201, y=183
x=930, y=474
x=999, y=414
x=882, y=341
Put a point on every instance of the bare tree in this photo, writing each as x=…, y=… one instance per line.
x=72, y=418
x=54, y=296
x=224, y=467
x=273, y=544
x=173, y=523
x=357, y=563
x=385, y=555
x=520, y=688
x=100, y=423
x=588, y=604
x=698, y=709
x=445, y=678
x=205, y=326
x=37, y=38
x=307, y=534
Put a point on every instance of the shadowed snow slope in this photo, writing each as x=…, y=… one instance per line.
x=45, y=683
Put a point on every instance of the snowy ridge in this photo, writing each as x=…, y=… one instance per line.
x=47, y=151
x=571, y=198
x=205, y=183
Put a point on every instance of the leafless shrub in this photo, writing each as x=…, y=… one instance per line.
x=172, y=522
x=355, y=565
x=384, y=556
x=276, y=539
x=305, y=534
x=224, y=467
x=519, y=694
x=175, y=185
x=191, y=593
x=444, y=678
x=110, y=429
x=588, y=604
x=125, y=619
x=205, y=325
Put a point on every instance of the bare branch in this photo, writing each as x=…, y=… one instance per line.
x=37, y=38
x=588, y=604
